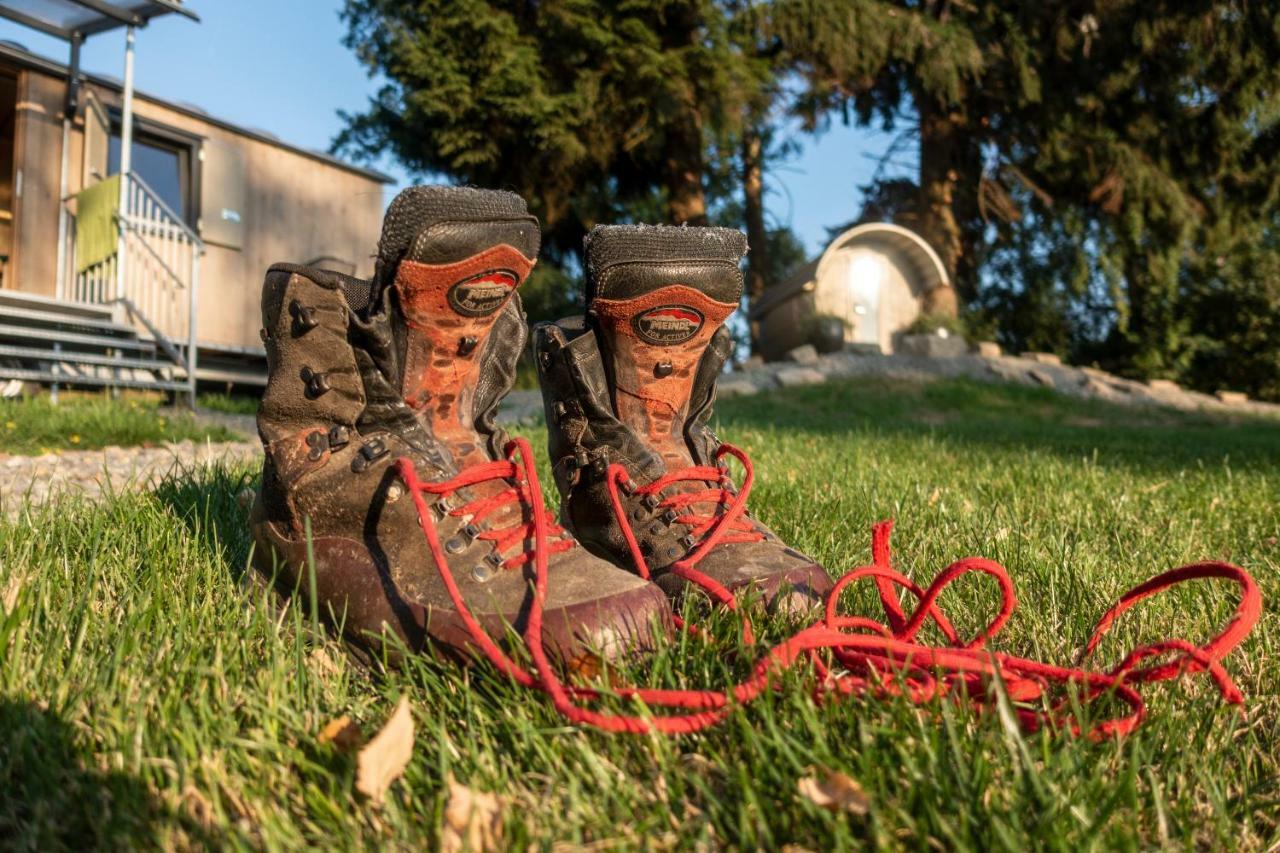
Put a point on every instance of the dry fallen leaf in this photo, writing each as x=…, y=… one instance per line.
x=836, y=792
x=934, y=496
x=342, y=733
x=384, y=758
x=9, y=599
x=472, y=820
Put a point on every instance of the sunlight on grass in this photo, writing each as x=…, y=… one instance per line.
x=35, y=426
x=147, y=700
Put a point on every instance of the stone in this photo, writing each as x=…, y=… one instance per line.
x=753, y=362
x=933, y=346
x=1096, y=373
x=1232, y=398
x=1163, y=386
x=989, y=349
x=791, y=377
x=804, y=354
x=736, y=386
x=1040, y=377
x=1042, y=357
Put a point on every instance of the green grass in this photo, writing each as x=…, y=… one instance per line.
x=35, y=425
x=145, y=701
x=230, y=404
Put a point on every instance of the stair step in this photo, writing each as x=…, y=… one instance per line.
x=100, y=381
x=235, y=377
x=56, y=318
x=19, y=299
x=58, y=336
x=36, y=354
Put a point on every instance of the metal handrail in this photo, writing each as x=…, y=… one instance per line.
x=159, y=202
x=154, y=280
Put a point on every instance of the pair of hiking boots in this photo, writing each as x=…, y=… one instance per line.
x=384, y=458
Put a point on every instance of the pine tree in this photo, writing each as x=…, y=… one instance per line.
x=594, y=111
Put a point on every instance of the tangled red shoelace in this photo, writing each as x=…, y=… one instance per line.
x=852, y=654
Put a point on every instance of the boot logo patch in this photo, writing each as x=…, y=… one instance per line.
x=667, y=325
x=482, y=294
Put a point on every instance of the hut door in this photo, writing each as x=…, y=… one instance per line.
x=866, y=278
x=97, y=140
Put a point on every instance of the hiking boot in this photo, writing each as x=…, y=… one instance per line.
x=628, y=392
x=410, y=367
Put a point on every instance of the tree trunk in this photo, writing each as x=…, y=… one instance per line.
x=686, y=200
x=757, y=235
x=941, y=162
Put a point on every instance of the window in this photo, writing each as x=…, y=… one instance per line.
x=163, y=163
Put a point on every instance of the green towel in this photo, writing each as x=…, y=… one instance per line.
x=96, y=234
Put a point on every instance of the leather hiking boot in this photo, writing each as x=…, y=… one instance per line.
x=628, y=392
x=368, y=380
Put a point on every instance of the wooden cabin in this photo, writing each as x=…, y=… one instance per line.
x=206, y=207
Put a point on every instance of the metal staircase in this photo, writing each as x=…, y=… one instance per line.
x=126, y=321
x=63, y=343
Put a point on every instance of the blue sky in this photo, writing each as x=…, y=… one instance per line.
x=280, y=66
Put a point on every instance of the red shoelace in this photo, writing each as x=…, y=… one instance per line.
x=852, y=654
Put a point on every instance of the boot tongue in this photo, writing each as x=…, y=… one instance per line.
x=658, y=296
x=471, y=251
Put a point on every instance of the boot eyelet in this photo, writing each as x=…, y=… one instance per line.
x=650, y=502
x=394, y=492
x=670, y=516
x=673, y=551
x=494, y=559
x=467, y=345
x=640, y=514
x=656, y=528
x=318, y=443
x=687, y=542
x=316, y=381
x=455, y=545
x=470, y=532
x=441, y=508
x=482, y=573
x=339, y=436
x=370, y=452
x=304, y=318
x=663, y=369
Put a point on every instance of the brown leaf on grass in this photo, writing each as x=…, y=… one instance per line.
x=9, y=598
x=934, y=496
x=835, y=792
x=385, y=757
x=472, y=820
x=342, y=733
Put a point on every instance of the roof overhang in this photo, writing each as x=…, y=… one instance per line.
x=73, y=20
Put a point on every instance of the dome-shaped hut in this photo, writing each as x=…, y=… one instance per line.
x=877, y=278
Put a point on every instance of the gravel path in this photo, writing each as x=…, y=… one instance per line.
x=95, y=473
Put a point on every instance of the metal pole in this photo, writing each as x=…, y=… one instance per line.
x=126, y=156
x=192, y=300
x=68, y=112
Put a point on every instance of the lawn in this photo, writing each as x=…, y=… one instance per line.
x=87, y=422
x=146, y=701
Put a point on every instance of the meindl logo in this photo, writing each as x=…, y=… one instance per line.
x=481, y=295
x=668, y=324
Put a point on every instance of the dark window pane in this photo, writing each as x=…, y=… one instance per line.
x=159, y=166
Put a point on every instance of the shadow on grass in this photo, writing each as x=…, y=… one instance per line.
x=208, y=501
x=1012, y=418
x=50, y=800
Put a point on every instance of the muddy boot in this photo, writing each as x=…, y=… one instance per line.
x=632, y=385
x=334, y=422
